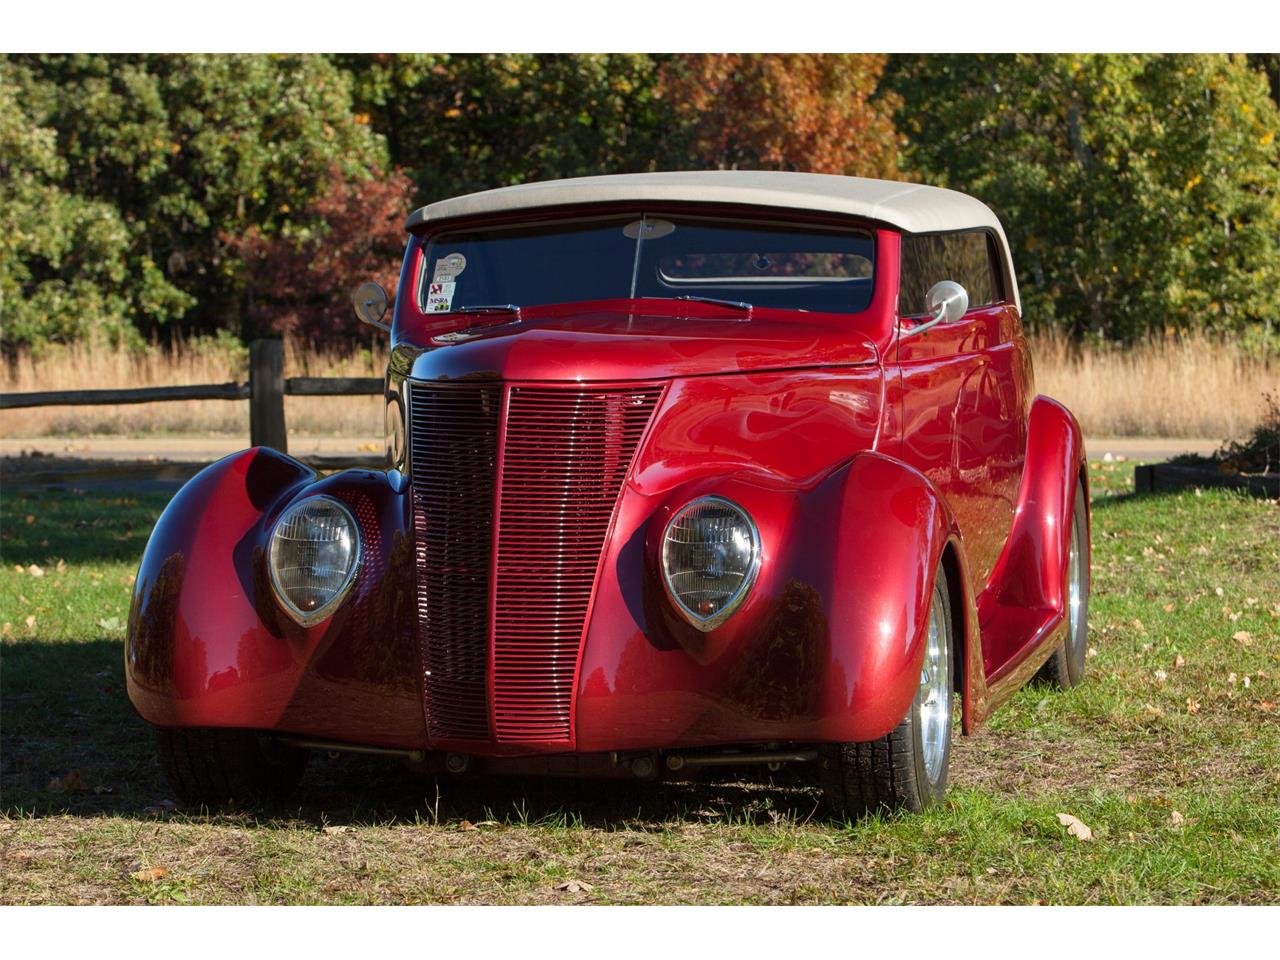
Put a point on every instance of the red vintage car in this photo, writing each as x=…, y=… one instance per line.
x=684, y=470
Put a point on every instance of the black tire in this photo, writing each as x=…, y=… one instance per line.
x=891, y=773
x=1065, y=667
x=215, y=766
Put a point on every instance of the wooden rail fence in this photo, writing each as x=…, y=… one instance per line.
x=265, y=391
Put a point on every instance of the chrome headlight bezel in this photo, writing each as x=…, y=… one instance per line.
x=309, y=618
x=708, y=623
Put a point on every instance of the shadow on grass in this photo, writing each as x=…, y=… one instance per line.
x=65, y=710
x=78, y=527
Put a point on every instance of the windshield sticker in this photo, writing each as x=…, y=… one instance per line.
x=440, y=297
x=448, y=268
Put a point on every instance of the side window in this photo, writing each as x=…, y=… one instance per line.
x=967, y=258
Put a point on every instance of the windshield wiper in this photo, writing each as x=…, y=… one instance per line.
x=732, y=304
x=489, y=308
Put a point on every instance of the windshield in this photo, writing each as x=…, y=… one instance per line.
x=766, y=265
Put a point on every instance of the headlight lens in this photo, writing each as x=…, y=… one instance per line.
x=314, y=552
x=710, y=554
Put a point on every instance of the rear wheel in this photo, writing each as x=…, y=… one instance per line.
x=906, y=768
x=214, y=766
x=1065, y=669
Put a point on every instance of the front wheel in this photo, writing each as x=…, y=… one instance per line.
x=907, y=768
x=214, y=766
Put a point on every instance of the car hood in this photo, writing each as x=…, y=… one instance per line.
x=619, y=344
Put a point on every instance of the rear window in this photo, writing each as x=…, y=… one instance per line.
x=637, y=256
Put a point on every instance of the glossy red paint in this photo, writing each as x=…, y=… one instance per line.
x=865, y=456
x=210, y=646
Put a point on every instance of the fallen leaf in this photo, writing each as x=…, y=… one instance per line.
x=1176, y=820
x=1219, y=591
x=467, y=825
x=70, y=782
x=31, y=622
x=35, y=571
x=1193, y=706
x=1154, y=711
x=61, y=567
x=1266, y=706
x=336, y=830
x=1247, y=682
x=1179, y=661
x=1075, y=827
x=1242, y=636
x=575, y=886
x=1231, y=679
x=149, y=875
x=1161, y=676
x=1091, y=653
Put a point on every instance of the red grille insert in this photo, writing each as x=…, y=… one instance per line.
x=565, y=457
x=453, y=435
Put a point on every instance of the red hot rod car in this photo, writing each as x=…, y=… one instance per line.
x=684, y=469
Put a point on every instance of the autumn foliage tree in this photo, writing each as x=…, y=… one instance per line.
x=299, y=281
x=812, y=112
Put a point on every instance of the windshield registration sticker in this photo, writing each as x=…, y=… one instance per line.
x=440, y=297
x=448, y=268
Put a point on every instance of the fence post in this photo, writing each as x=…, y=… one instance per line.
x=266, y=395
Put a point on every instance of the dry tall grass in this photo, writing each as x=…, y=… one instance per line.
x=1190, y=387
x=1173, y=387
x=82, y=367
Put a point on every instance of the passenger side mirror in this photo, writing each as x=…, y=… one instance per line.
x=946, y=302
x=370, y=301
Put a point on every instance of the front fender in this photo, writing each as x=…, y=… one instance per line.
x=209, y=646
x=828, y=645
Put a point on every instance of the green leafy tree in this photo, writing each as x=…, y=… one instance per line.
x=1140, y=193
x=175, y=154
x=465, y=122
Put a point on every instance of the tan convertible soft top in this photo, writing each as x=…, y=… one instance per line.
x=910, y=207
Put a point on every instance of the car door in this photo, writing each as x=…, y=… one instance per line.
x=963, y=388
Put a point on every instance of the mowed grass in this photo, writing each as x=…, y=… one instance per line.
x=1170, y=753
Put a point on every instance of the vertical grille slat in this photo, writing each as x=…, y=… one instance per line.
x=565, y=456
x=454, y=451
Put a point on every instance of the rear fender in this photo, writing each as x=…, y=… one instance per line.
x=1023, y=611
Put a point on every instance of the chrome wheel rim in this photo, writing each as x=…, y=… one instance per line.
x=1075, y=599
x=933, y=699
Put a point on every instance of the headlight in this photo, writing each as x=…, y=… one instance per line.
x=314, y=553
x=710, y=555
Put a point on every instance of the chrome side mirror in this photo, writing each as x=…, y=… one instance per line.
x=946, y=302
x=370, y=301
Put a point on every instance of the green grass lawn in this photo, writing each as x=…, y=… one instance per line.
x=1170, y=753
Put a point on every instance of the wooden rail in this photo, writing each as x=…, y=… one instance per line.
x=265, y=392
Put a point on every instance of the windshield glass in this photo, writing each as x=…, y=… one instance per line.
x=767, y=265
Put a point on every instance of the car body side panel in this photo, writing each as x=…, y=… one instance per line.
x=963, y=395
x=209, y=646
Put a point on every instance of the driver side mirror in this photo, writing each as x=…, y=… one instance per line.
x=946, y=302
x=370, y=302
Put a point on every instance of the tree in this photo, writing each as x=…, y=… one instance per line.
x=179, y=153
x=300, y=280
x=461, y=123
x=803, y=111
x=1140, y=193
